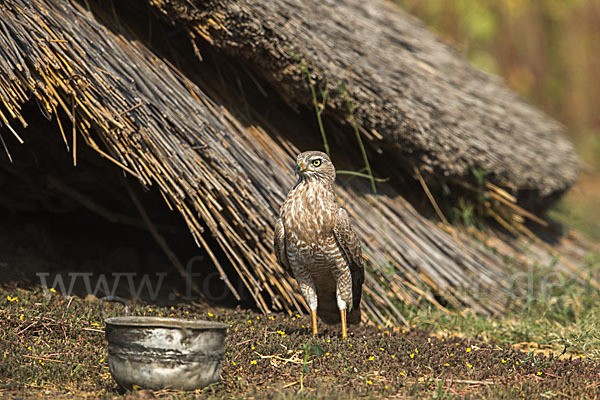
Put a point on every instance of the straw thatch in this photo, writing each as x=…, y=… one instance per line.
x=415, y=96
x=227, y=171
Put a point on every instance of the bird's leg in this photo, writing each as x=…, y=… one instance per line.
x=309, y=292
x=343, y=316
x=343, y=294
x=313, y=314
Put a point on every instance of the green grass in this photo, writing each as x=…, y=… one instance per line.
x=565, y=319
x=582, y=215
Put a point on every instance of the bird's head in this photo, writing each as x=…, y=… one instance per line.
x=315, y=165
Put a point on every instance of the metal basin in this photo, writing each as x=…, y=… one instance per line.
x=157, y=353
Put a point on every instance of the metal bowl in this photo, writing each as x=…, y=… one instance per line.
x=158, y=353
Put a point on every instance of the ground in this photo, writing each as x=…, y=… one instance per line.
x=55, y=346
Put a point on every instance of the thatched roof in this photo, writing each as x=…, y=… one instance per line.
x=226, y=171
x=415, y=96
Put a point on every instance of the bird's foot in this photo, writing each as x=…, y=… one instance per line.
x=343, y=317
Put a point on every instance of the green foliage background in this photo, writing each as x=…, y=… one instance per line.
x=549, y=52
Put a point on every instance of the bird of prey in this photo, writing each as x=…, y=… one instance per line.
x=315, y=241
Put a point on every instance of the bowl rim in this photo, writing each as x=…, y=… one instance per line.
x=163, y=322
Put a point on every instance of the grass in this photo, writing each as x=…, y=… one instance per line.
x=560, y=314
x=56, y=347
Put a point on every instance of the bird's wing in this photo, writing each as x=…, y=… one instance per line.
x=350, y=244
x=280, y=246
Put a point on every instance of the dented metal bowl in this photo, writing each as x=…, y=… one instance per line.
x=158, y=353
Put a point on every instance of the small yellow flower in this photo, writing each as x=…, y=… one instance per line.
x=469, y=365
x=393, y=356
x=503, y=361
x=371, y=358
x=235, y=330
x=21, y=317
x=328, y=341
x=416, y=351
x=387, y=333
x=442, y=339
x=11, y=299
x=297, y=315
x=41, y=362
x=160, y=315
x=468, y=350
x=386, y=387
x=412, y=355
x=172, y=308
x=233, y=362
x=28, y=347
x=539, y=373
x=446, y=365
x=150, y=309
x=252, y=348
x=272, y=318
x=253, y=362
x=456, y=343
x=327, y=354
x=516, y=362
x=350, y=344
x=451, y=354
x=210, y=314
x=258, y=317
x=53, y=290
x=282, y=333
x=381, y=348
x=403, y=331
x=171, y=315
x=187, y=313
x=249, y=321
x=369, y=383
x=402, y=373
x=101, y=360
x=95, y=323
x=379, y=327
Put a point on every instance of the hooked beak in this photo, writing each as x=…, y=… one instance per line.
x=301, y=167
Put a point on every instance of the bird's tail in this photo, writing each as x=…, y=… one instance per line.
x=354, y=316
x=331, y=316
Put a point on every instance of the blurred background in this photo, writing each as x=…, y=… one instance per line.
x=549, y=52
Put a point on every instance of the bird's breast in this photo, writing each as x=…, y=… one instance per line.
x=308, y=219
x=308, y=212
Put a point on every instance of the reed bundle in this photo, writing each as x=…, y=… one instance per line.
x=226, y=177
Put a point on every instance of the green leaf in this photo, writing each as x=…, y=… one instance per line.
x=316, y=350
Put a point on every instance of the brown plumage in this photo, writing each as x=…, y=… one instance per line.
x=315, y=241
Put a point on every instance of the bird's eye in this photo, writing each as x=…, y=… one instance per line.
x=316, y=162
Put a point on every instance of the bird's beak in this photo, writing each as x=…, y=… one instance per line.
x=301, y=167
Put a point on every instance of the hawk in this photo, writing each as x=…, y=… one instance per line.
x=315, y=241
